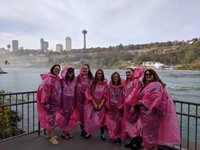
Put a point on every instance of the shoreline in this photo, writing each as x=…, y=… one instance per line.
x=112, y=68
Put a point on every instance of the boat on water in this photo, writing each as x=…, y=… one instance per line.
x=2, y=72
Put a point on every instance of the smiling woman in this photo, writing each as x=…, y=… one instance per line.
x=157, y=106
x=55, y=69
x=49, y=100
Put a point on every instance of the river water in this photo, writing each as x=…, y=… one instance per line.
x=182, y=85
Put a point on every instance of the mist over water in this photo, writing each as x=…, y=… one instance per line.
x=182, y=85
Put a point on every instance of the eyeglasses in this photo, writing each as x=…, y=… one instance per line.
x=148, y=74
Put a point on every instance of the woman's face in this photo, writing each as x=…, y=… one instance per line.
x=56, y=70
x=99, y=74
x=70, y=74
x=129, y=73
x=85, y=70
x=148, y=76
x=115, y=78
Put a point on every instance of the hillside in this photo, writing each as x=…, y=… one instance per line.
x=186, y=55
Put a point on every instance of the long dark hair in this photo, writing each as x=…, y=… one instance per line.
x=119, y=81
x=52, y=68
x=89, y=71
x=67, y=76
x=94, y=82
x=155, y=77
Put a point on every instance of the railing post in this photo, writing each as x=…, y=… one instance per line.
x=15, y=103
x=39, y=128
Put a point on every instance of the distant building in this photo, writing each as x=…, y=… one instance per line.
x=59, y=47
x=41, y=43
x=159, y=65
x=155, y=65
x=8, y=46
x=193, y=40
x=148, y=63
x=3, y=51
x=14, y=45
x=68, y=43
x=21, y=48
x=44, y=45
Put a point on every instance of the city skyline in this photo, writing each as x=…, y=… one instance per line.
x=44, y=45
x=120, y=22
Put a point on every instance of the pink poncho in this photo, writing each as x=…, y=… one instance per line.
x=114, y=119
x=82, y=83
x=158, y=117
x=49, y=92
x=68, y=117
x=132, y=90
x=94, y=119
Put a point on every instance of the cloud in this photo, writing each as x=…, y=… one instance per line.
x=24, y=40
x=107, y=22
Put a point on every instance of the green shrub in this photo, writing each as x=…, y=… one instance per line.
x=8, y=119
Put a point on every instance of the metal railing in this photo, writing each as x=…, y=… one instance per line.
x=189, y=121
x=23, y=106
x=18, y=115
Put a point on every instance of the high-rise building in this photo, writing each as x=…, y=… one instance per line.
x=44, y=45
x=59, y=47
x=41, y=43
x=14, y=45
x=68, y=43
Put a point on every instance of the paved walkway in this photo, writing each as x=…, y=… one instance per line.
x=35, y=142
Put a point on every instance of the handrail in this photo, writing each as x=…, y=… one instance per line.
x=19, y=114
x=5, y=94
x=24, y=104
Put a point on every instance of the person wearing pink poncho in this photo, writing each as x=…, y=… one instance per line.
x=132, y=90
x=157, y=113
x=67, y=118
x=83, y=80
x=48, y=101
x=94, y=106
x=114, y=104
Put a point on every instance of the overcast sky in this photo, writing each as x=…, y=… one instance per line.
x=108, y=22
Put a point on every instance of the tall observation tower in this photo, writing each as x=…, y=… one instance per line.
x=84, y=38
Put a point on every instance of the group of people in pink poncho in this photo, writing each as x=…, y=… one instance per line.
x=139, y=109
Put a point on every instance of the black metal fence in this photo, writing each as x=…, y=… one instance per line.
x=18, y=116
x=189, y=121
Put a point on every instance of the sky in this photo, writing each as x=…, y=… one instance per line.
x=108, y=22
